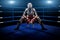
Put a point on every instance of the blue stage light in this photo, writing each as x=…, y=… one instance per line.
x=11, y=2
x=49, y=2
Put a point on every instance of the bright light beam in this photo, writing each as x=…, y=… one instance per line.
x=11, y=2
x=49, y=2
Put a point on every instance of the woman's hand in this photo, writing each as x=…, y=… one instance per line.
x=33, y=19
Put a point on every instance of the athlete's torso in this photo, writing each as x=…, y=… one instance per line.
x=30, y=11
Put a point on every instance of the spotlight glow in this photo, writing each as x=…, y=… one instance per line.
x=49, y=2
x=11, y=2
x=0, y=6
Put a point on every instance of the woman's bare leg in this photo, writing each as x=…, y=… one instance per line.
x=40, y=22
x=19, y=23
